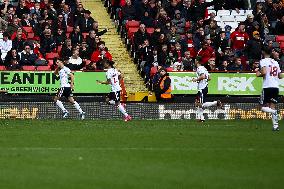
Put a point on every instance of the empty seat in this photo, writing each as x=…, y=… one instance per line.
x=29, y=68
x=50, y=62
x=235, y=13
x=217, y=18
x=69, y=29
x=28, y=29
x=279, y=38
x=51, y=55
x=85, y=35
x=241, y=18
x=2, y=68
x=247, y=12
x=43, y=68
x=223, y=13
x=132, y=24
x=150, y=30
x=228, y=19
x=68, y=35
x=131, y=32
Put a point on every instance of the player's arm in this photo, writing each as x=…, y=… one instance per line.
x=72, y=80
x=260, y=72
x=107, y=82
x=200, y=78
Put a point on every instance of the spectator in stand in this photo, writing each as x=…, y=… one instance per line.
x=198, y=24
x=178, y=67
x=60, y=23
x=13, y=26
x=11, y=55
x=273, y=12
x=101, y=53
x=140, y=36
x=51, y=10
x=186, y=10
x=265, y=25
x=79, y=12
x=147, y=57
x=279, y=28
x=199, y=9
x=258, y=11
x=86, y=23
x=205, y=53
x=147, y=20
x=68, y=15
x=173, y=36
x=76, y=36
x=85, y=52
x=170, y=60
x=5, y=45
x=128, y=12
x=14, y=65
x=220, y=43
x=276, y=55
x=3, y=24
x=18, y=42
x=254, y=65
x=254, y=47
x=22, y=9
x=59, y=37
x=179, y=22
x=75, y=62
x=47, y=42
x=224, y=66
x=66, y=51
x=25, y=21
x=36, y=10
x=162, y=55
x=188, y=45
x=19, y=31
x=212, y=29
x=212, y=17
x=163, y=21
x=92, y=40
x=179, y=53
x=96, y=29
x=9, y=15
x=188, y=62
x=211, y=64
x=249, y=23
x=239, y=39
x=198, y=37
x=237, y=65
x=28, y=58
x=141, y=7
x=35, y=24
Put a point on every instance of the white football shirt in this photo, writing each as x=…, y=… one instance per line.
x=203, y=83
x=270, y=80
x=112, y=75
x=64, y=77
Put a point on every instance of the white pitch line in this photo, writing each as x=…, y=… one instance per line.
x=123, y=149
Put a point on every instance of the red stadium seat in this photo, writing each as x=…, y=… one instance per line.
x=59, y=48
x=150, y=30
x=28, y=29
x=29, y=68
x=132, y=24
x=68, y=35
x=131, y=32
x=50, y=62
x=282, y=45
x=69, y=29
x=187, y=26
x=43, y=68
x=2, y=68
x=280, y=38
x=85, y=35
x=51, y=55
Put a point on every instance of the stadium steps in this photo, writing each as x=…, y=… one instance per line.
x=133, y=81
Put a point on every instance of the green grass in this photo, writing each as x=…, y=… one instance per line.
x=66, y=154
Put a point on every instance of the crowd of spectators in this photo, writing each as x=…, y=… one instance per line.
x=33, y=32
x=183, y=31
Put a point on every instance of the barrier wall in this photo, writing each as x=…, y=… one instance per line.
x=100, y=110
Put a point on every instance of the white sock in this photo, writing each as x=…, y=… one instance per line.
x=200, y=113
x=122, y=110
x=275, y=120
x=60, y=105
x=268, y=110
x=209, y=104
x=77, y=106
x=111, y=102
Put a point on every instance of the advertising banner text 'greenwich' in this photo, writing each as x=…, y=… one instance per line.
x=220, y=83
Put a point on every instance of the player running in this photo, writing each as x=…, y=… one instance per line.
x=113, y=78
x=271, y=73
x=66, y=89
x=202, y=79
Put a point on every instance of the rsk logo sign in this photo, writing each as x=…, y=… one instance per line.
x=183, y=83
x=236, y=84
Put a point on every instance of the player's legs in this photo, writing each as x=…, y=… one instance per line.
x=198, y=104
x=116, y=97
x=77, y=106
x=58, y=102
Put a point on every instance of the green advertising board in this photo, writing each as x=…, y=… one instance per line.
x=220, y=83
x=47, y=83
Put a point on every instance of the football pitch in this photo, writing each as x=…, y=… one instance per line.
x=141, y=154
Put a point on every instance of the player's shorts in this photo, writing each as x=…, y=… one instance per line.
x=65, y=92
x=269, y=95
x=115, y=96
x=201, y=95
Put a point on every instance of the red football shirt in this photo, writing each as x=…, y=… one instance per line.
x=239, y=40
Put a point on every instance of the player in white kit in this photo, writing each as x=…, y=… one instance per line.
x=66, y=88
x=113, y=77
x=202, y=79
x=271, y=73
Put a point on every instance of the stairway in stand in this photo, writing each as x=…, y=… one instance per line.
x=132, y=79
